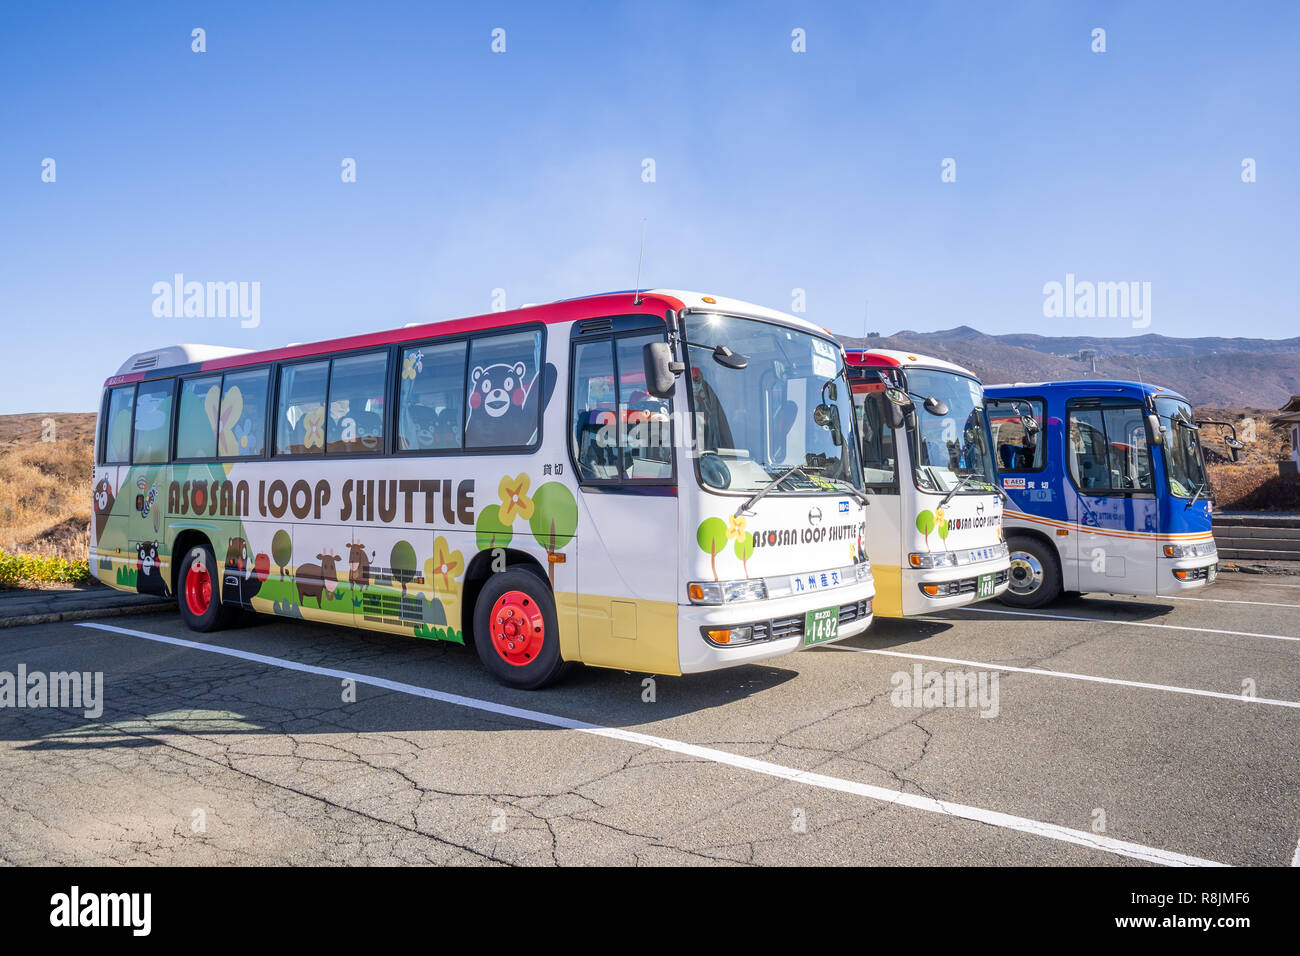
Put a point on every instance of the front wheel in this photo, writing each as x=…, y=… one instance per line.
x=516, y=632
x=198, y=591
x=1035, y=574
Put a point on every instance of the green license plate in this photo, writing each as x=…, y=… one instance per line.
x=819, y=626
x=984, y=586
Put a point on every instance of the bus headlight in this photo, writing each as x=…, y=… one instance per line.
x=1189, y=550
x=725, y=592
x=941, y=559
x=730, y=636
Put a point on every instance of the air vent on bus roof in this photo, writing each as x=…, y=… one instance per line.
x=144, y=362
x=595, y=325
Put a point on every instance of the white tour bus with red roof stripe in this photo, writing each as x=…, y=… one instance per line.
x=934, y=529
x=659, y=481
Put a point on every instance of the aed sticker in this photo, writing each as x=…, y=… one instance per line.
x=1013, y=483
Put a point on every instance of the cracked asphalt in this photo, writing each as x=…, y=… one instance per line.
x=205, y=759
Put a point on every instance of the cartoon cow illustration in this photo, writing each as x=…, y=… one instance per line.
x=103, y=506
x=315, y=580
x=359, y=565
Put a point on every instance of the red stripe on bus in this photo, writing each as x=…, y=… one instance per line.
x=857, y=357
x=552, y=313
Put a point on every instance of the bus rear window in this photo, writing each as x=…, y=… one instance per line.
x=153, y=418
x=117, y=426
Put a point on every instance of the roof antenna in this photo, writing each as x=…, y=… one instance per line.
x=636, y=295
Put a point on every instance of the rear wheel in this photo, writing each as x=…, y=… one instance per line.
x=1035, y=574
x=198, y=591
x=516, y=632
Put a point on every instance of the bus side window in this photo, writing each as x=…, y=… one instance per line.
x=153, y=420
x=1017, y=450
x=1130, y=459
x=432, y=388
x=1089, y=460
x=300, y=411
x=645, y=422
x=595, y=435
x=243, y=414
x=196, y=417
x=879, y=454
x=356, y=404
x=503, y=391
x=117, y=426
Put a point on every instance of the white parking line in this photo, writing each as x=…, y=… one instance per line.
x=1071, y=676
x=1102, y=620
x=1051, y=831
x=1171, y=597
x=1295, y=859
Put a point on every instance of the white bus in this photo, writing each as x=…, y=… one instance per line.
x=934, y=528
x=661, y=482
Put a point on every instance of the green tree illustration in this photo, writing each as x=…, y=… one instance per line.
x=942, y=528
x=282, y=551
x=554, y=521
x=925, y=524
x=744, y=550
x=711, y=536
x=489, y=531
x=402, y=563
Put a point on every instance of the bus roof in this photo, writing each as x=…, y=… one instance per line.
x=895, y=358
x=1078, y=388
x=190, y=358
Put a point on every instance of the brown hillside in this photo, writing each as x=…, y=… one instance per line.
x=45, y=484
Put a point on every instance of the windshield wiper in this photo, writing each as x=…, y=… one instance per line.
x=849, y=490
x=1199, y=489
x=758, y=495
x=962, y=484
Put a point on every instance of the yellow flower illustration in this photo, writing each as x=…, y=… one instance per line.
x=231, y=408
x=313, y=428
x=515, y=502
x=735, y=527
x=446, y=567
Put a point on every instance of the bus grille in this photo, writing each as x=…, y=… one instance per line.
x=391, y=608
x=783, y=627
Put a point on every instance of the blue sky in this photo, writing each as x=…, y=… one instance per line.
x=522, y=170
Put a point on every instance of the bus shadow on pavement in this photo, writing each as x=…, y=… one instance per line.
x=210, y=695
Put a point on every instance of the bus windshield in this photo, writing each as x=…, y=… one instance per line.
x=950, y=448
x=1182, y=443
x=788, y=406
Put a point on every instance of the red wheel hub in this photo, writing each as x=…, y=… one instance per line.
x=517, y=629
x=198, y=590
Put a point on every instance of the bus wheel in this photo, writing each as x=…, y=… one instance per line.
x=516, y=632
x=198, y=591
x=1035, y=574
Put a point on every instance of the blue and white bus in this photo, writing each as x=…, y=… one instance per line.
x=1107, y=486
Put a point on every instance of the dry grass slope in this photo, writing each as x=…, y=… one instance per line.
x=45, y=484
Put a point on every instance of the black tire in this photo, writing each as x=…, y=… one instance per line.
x=536, y=609
x=217, y=615
x=1035, y=579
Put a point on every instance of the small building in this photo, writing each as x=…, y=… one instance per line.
x=1290, y=416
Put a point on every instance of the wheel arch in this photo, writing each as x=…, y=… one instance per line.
x=477, y=574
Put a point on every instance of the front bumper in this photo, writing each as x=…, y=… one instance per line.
x=781, y=619
x=966, y=578
x=1196, y=573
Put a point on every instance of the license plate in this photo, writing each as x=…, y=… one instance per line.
x=819, y=626
x=1211, y=574
x=984, y=586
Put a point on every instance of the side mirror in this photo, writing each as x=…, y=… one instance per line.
x=1234, y=448
x=822, y=415
x=1153, y=426
x=729, y=359
x=660, y=370
x=934, y=406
